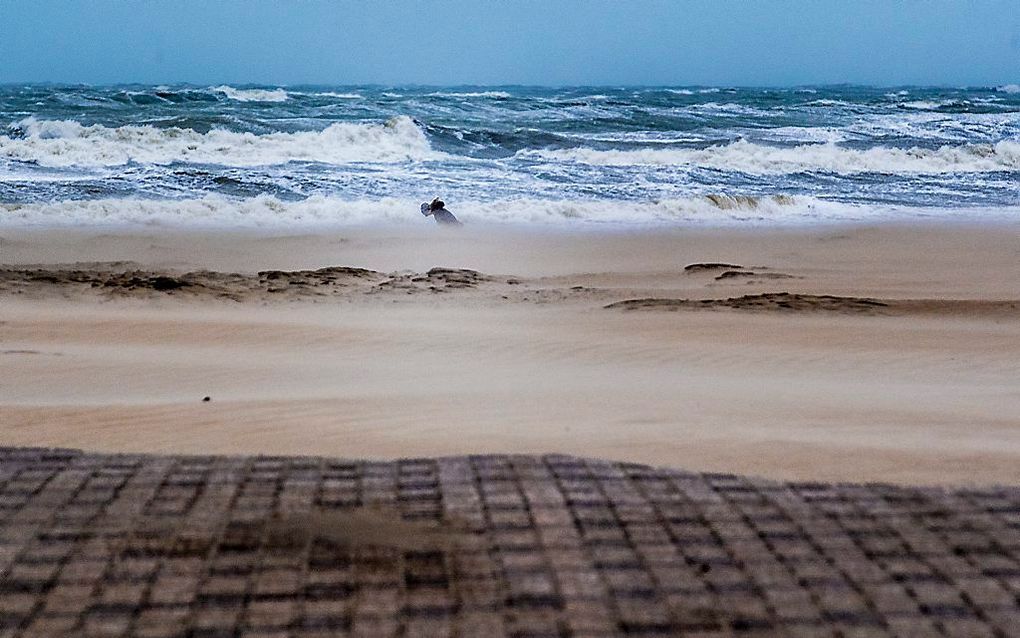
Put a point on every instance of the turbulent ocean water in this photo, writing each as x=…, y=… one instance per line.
x=304, y=156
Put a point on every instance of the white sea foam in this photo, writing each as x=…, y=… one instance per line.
x=803, y=135
x=1008, y=88
x=732, y=109
x=936, y=127
x=630, y=137
x=269, y=212
x=825, y=102
x=929, y=105
x=492, y=94
x=62, y=143
x=753, y=158
x=146, y=94
x=341, y=96
x=252, y=95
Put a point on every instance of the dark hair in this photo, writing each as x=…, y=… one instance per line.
x=436, y=204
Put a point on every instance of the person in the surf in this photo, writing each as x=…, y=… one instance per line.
x=437, y=209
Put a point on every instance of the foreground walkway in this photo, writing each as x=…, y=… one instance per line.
x=111, y=545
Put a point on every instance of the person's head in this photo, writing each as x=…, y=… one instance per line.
x=436, y=204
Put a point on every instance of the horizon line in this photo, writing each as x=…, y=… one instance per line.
x=415, y=85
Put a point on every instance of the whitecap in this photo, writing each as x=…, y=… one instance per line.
x=268, y=212
x=341, y=96
x=62, y=143
x=827, y=102
x=719, y=209
x=488, y=94
x=751, y=158
x=251, y=95
x=930, y=105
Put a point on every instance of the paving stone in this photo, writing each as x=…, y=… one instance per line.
x=165, y=547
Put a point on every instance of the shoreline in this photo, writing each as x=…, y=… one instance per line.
x=416, y=223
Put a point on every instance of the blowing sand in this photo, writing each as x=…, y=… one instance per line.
x=853, y=354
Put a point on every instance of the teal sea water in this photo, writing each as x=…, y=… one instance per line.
x=315, y=155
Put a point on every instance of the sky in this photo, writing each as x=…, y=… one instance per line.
x=534, y=42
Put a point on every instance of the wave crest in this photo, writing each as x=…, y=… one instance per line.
x=252, y=95
x=500, y=95
x=341, y=96
x=748, y=157
x=63, y=143
x=269, y=212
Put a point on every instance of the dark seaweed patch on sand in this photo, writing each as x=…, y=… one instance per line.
x=708, y=266
x=803, y=303
x=780, y=301
x=752, y=275
x=435, y=280
x=113, y=280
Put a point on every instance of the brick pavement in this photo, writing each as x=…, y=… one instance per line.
x=161, y=546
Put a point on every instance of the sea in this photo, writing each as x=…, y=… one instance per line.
x=312, y=156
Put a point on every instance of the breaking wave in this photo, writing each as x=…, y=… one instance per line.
x=491, y=94
x=317, y=154
x=748, y=157
x=252, y=95
x=268, y=212
x=341, y=96
x=693, y=91
x=64, y=143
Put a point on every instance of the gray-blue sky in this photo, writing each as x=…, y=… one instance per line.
x=550, y=42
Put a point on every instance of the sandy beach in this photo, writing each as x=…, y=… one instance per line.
x=509, y=320
x=857, y=353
